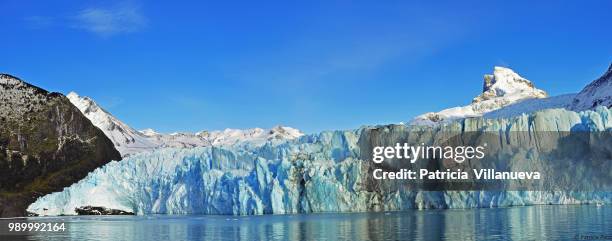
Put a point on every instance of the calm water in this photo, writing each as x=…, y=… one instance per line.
x=517, y=223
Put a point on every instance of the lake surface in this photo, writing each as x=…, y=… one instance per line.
x=571, y=222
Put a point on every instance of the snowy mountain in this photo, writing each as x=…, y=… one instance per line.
x=599, y=92
x=126, y=140
x=129, y=141
x=500, y=89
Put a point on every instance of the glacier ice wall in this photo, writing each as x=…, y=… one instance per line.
x=325, y=172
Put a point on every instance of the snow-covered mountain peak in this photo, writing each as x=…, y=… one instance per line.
x=84, y=103
x=504, y=82
x=126, y=140
x=502, y=88
x=129, y=141
x=98, y=116
x=597, y=93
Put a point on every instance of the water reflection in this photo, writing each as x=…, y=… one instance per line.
x=517, y=223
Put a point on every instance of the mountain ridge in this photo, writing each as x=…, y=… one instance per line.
x=130, y=141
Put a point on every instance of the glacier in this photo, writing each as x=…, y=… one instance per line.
x=323, y=172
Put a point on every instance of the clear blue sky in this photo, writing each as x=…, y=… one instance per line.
x=314, y=65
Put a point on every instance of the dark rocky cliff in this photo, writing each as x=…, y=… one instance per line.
x=46, y=144
x=597, y=93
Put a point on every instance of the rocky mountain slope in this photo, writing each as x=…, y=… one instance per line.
x=500, y=89
x=598, y=93
x=130, y=141
x=46, y=144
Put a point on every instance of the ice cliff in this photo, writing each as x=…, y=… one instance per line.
x=325, y=172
